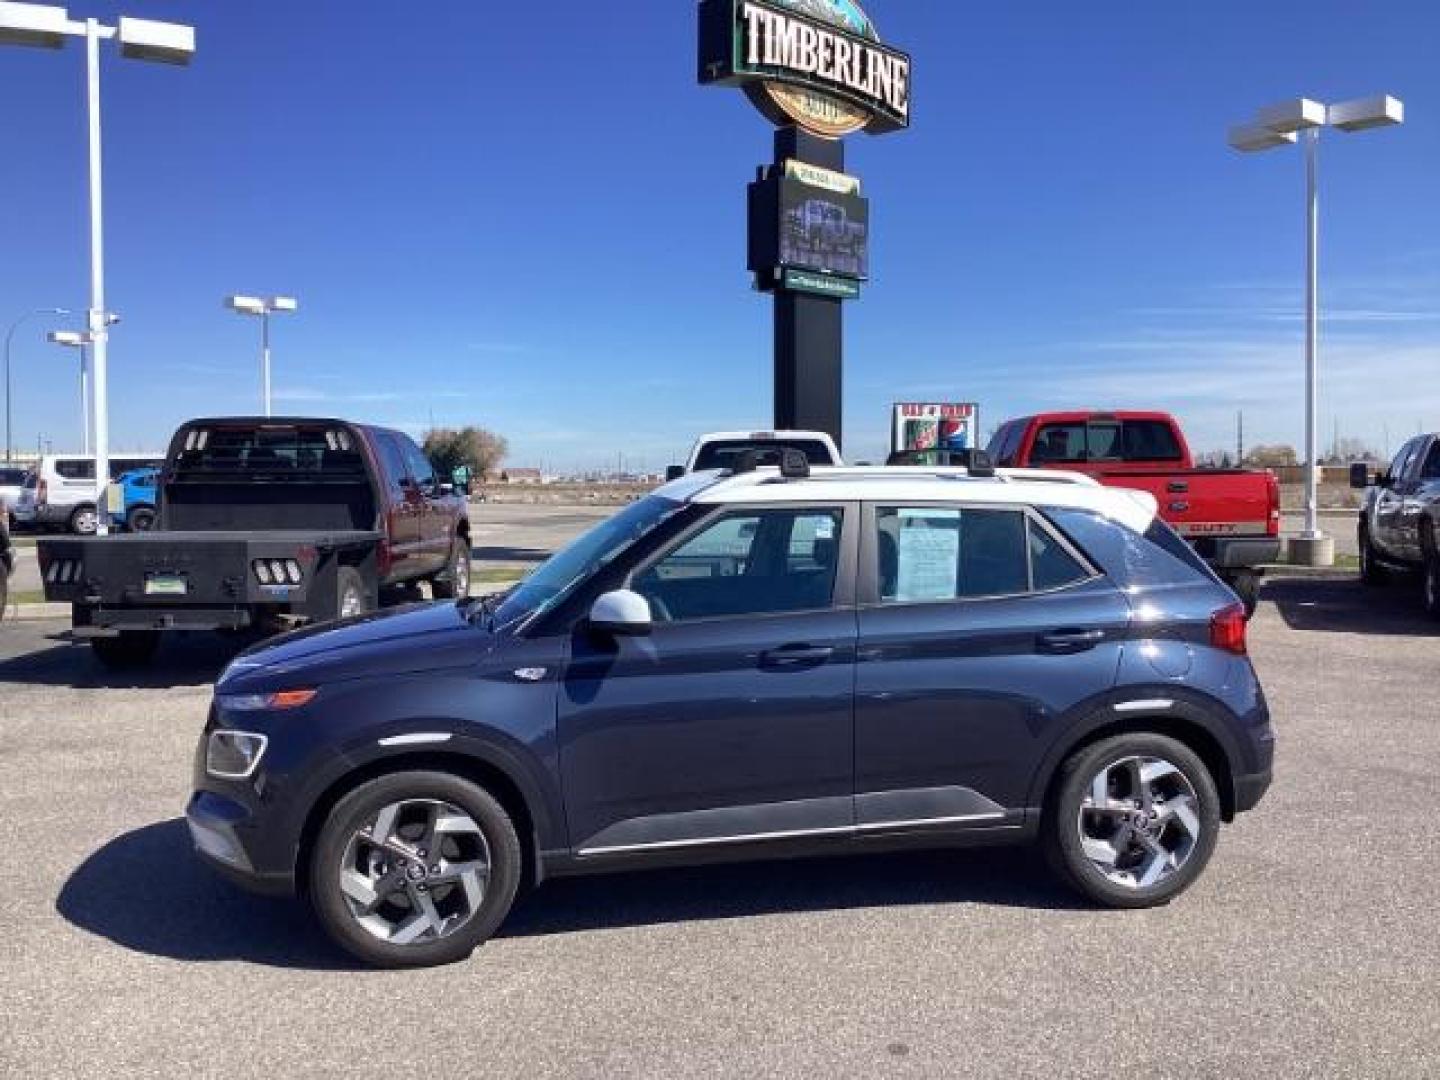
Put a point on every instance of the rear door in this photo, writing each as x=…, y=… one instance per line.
x=978, y=628
x=402, y=506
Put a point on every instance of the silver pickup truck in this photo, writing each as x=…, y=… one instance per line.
x=1399, y=528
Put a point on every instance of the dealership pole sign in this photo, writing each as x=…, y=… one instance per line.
x=818, y=70
x=816, y=63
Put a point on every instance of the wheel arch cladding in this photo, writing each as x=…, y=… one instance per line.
x=1189, y=732
x=478, y=771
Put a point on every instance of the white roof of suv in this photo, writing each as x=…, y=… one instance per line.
x=1020, y=487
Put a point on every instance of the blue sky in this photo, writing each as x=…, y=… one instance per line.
x=528, y=216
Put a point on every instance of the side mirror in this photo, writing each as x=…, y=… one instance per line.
x=622, y=613
x=674, y=472
x=1360, y=478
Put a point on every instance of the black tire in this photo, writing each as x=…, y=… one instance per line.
x=4, y=590
x=1371, y=572
x=454, y=581
x=131, y=649
x=1431, y=585
x=351, y=595
x=1246, y=585
x=1061, y=832
x=84, y=521
x=359, y=807
x=141, y=519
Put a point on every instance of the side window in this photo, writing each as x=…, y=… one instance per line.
x=1402, y=461
x=392, y=461
x=1432, y=463
x=76, y=469
x=936, y=553
x=421, y=471
x=1059, y=442
x=751, y=562
x=1051, y=566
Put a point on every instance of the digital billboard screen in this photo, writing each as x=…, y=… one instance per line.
x=825, y=231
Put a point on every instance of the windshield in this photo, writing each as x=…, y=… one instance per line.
x=554, y=579
x=12, y=477
x=721, y=454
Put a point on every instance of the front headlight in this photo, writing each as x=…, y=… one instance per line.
x=280, y=699
x=234, y=755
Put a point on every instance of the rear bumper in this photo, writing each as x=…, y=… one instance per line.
x=95, y=622
x=1241, y=553
x=1251, y=788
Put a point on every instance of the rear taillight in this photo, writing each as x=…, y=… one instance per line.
x=1272, y=525
x=1227, y=629
x=42, y=492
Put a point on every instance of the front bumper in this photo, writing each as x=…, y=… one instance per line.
x=223, y=831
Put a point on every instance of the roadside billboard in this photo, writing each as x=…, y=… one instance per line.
x=927, y=426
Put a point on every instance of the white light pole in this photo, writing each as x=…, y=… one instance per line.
x=264, y=308
x=1275, y=126
x=73, y=340
x=47, y=27
x=9, y=339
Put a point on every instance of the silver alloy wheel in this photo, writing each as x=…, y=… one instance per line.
x=461, y=572
x=1139, y=821
x=416, y=872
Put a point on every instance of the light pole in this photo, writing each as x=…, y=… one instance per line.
x=1280, y=125
x=264, y=308
x=47, y=27
x=73, y=340
x=9, y=338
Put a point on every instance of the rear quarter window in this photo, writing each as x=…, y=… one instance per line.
x=1157, y=558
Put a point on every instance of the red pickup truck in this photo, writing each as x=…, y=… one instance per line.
x=1230, y=516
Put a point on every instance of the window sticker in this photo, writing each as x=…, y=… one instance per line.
x=929, y=555
x=825, y=528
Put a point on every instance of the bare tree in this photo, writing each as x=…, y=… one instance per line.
x=477, y=449
x=1269, y=457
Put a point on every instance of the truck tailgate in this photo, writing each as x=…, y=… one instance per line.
x=161, y=569
x=1208, y=502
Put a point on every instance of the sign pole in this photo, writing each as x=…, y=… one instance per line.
x=809, y=329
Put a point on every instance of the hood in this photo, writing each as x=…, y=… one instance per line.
x=417, y=637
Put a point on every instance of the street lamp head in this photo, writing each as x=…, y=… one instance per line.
x=1290, y=116
x=284, y=303
x=36, y=25
x=160, y=42
x=1252, y=137
x=1365, y=113
x=246, y=305
x=68, y=337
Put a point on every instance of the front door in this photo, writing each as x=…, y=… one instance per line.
x=733, y=719
x=1390, y=503
x=978, y=627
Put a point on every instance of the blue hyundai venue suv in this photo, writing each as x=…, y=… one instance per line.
x=759, y=663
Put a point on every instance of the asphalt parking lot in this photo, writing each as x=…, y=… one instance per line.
x=1309, y=949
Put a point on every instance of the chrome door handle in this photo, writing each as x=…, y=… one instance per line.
x=1062, y=642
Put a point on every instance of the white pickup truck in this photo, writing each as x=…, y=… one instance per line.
x=719, y=449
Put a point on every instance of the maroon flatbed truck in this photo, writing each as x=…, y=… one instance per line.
x=1230, y=516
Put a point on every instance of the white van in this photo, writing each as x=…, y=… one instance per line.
x=62, y=489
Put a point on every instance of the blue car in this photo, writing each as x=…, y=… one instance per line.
x=746, y=664
x=136, y=505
